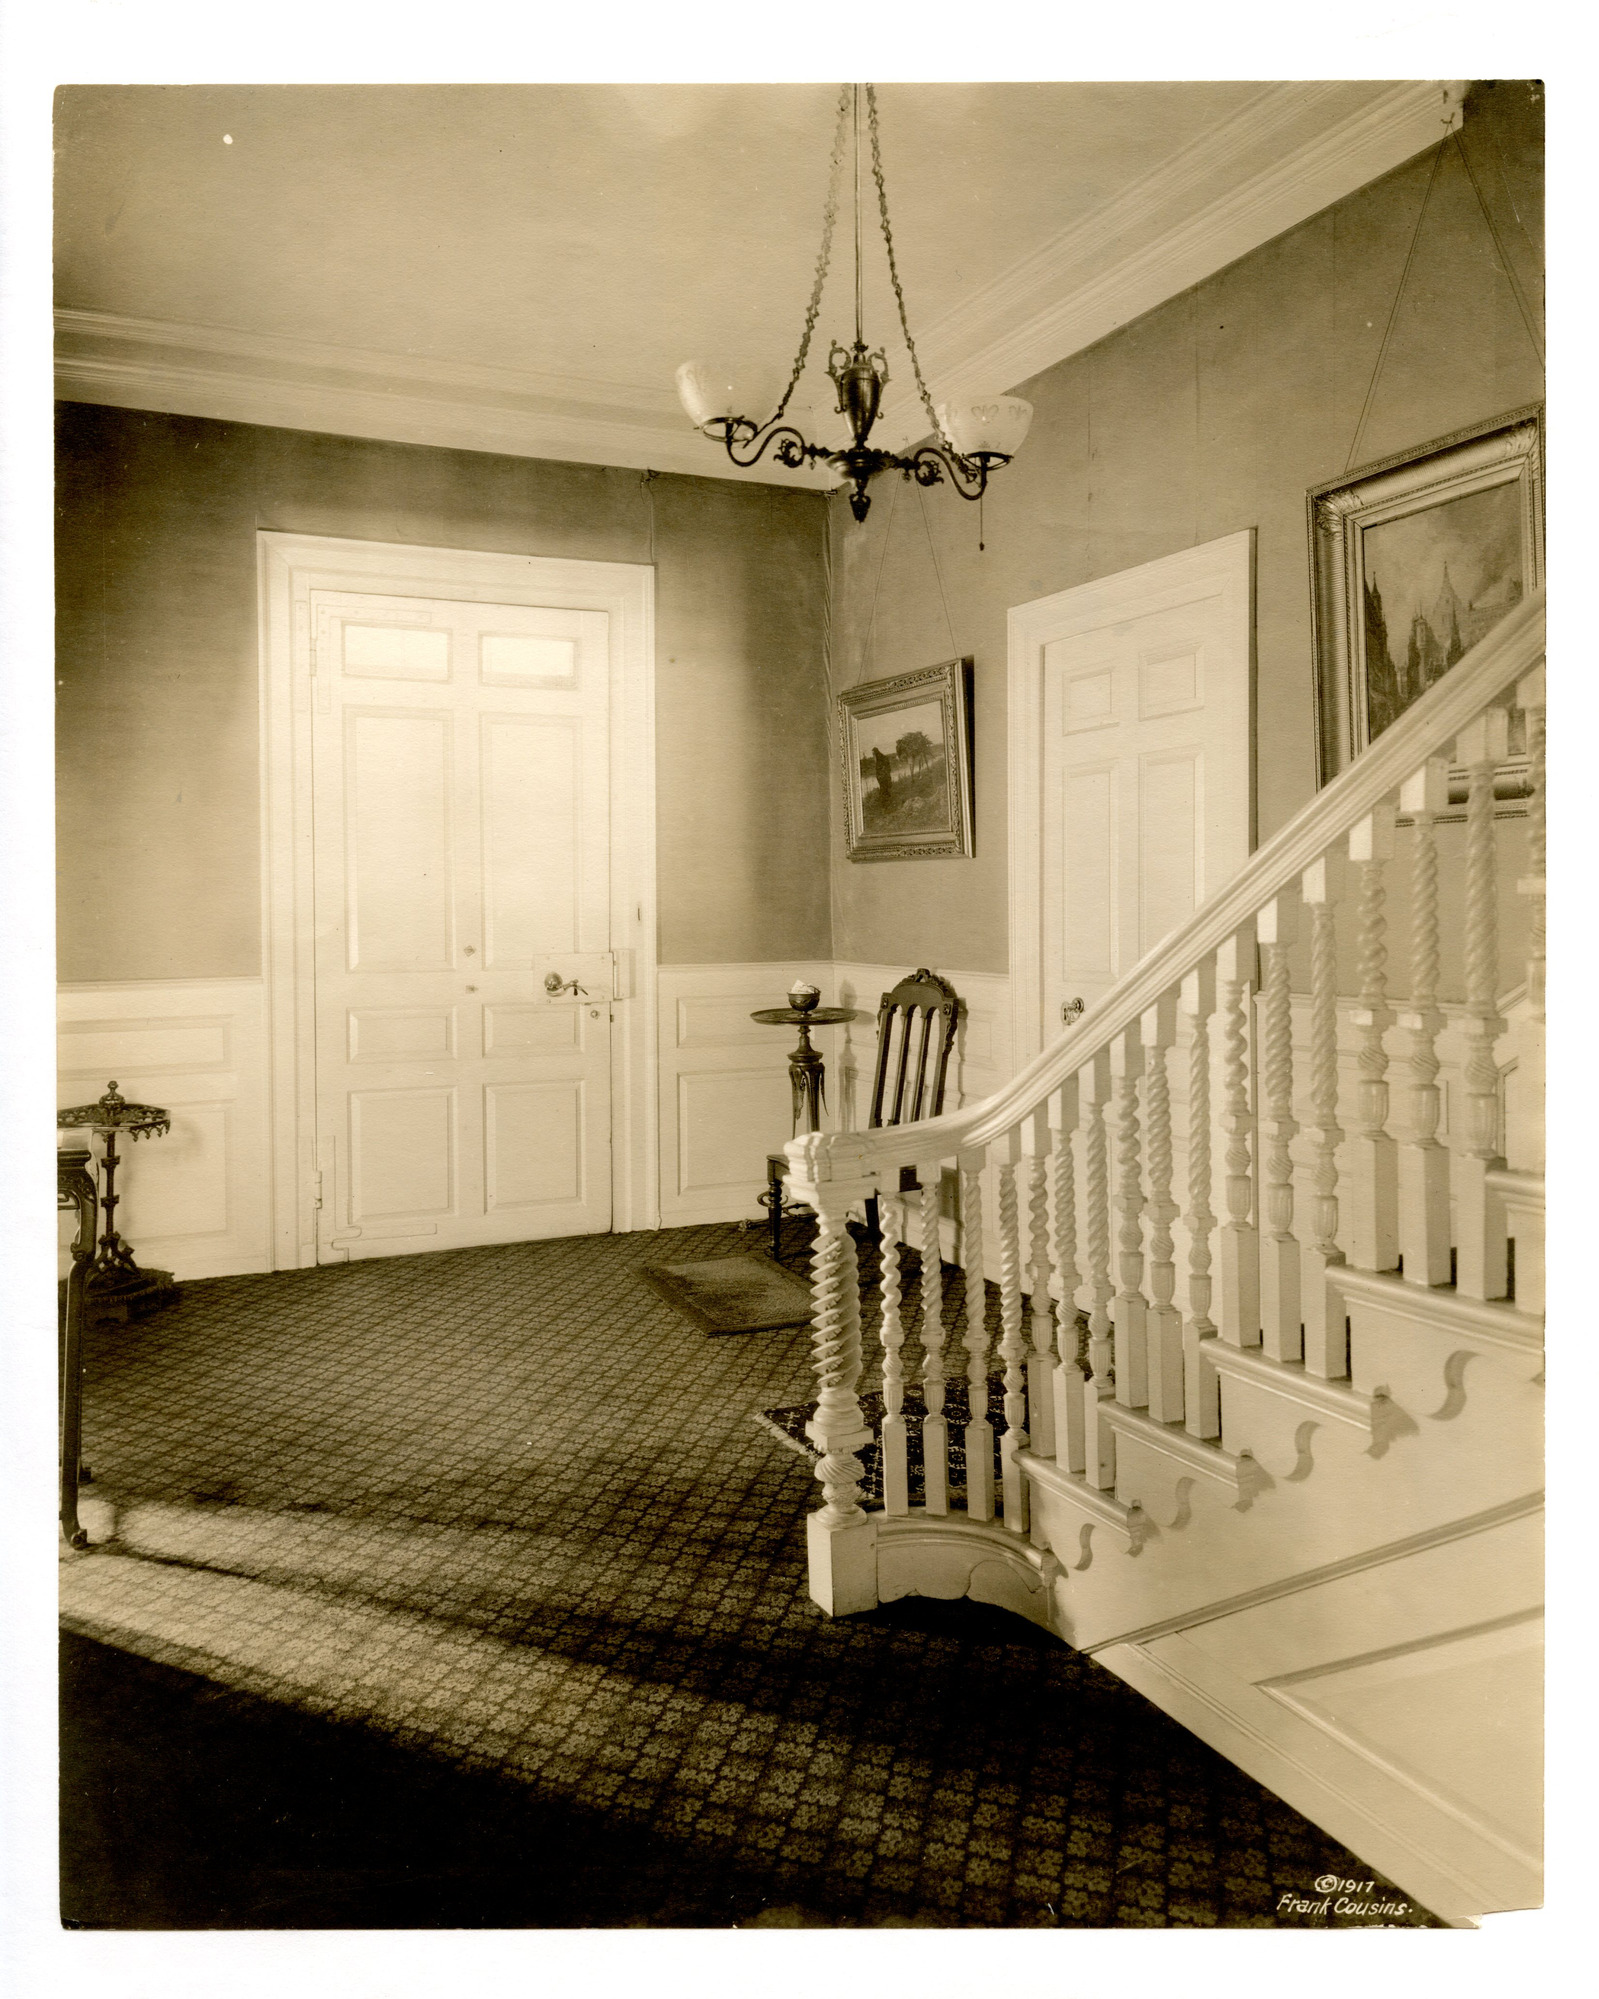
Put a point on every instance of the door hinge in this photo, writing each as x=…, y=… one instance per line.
x=316, y=1190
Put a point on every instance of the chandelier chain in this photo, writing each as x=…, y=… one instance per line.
x=829, y=217
x=893, y=268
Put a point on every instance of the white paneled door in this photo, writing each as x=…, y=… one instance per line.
x=1137, y=689
x=461, y=780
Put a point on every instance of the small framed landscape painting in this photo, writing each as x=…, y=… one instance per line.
x=1414, y=560
x=907, y=763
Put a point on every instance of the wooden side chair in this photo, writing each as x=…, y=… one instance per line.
x=916, y=1023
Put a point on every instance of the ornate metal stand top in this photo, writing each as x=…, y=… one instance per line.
x=114, y=1283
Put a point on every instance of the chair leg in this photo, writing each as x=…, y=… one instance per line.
x=775, y=1183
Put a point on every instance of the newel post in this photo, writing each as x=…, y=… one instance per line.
x=828, y=1172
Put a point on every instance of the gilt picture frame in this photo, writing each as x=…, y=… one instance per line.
x=905, y=752
x=1413, y=560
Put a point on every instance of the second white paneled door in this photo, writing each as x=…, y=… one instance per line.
x=461, y=781
x=1130, y=769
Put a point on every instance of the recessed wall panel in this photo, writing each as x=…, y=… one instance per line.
x=174, y=1187
x=1088, y=803
x=727, y=1122
x=532, y=797
x=397, y=846
x=533, y=1143
x=402, y=1153
x=1170, y=843
x=401, y=1033
x=532, y=1030
x=1170, y=684
x=1090, y=700
x=395, y=652
x=524, y=659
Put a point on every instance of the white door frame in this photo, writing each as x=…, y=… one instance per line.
x=1225, y=567
x=290, y=566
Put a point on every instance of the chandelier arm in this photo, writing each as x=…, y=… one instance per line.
x=893, y=268
x=792, y=448
x=829, y=217
x=969, y=476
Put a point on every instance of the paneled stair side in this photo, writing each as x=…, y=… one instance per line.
x=1343, y=1592
x=1440, y=1425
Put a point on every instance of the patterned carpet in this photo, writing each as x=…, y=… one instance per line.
x=503, y=1513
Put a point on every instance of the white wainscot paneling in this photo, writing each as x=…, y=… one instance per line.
x=195, y=1201
x=725, y=1100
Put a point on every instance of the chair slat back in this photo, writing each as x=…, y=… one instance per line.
x=916, y=1024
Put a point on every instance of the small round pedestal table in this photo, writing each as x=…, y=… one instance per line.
x=114, y=1287
x=806, y=1075
x=808, y=1082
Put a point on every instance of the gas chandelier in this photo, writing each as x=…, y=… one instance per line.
x=971, y=438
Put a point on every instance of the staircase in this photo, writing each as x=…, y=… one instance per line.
x=1276, y=1466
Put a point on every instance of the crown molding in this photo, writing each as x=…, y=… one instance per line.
x=239, y=377
x=1200, y=210
x=1189, y=217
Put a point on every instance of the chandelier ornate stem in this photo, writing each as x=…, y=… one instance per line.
x=970, y=440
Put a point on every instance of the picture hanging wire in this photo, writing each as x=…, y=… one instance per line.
x=1393, y=310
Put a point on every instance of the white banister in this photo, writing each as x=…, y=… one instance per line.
x=1240, y=1246
x=1012, y=1486
x=896, y=1483
x=1326, y=1349
x=1041, y=1361
x=1201, y=1405
x=979, y=1431
x=1481, y=1270
x=1279, y=1247
x=1099, y=1440
x=828, y=1176
x=1129, y=1308
x=935, y=1426
x=1289, y=1258
x=1511, y=650
x=1423, y=1162
x=1531, y=696
x=1069, y=1378
x=1159, y=1032
x=1374, y=1201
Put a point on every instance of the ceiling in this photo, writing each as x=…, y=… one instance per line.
x=522, y=267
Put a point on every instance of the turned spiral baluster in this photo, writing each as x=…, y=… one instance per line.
x=1012, y=1350
x=1201, y=1401
x=1165, y=1321
x=1326, y=1347
x=1071, y=1368
x=1240, y=1245
x=1423, y=1162
x=1279, y=1248
x=979, y=1431
x=935, y=1426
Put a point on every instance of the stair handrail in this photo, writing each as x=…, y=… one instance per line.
x=1513, y=648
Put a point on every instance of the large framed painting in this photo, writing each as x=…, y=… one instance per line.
x=905, y=745
x=1413, y=560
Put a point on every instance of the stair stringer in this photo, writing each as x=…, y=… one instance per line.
x=1309, y=1473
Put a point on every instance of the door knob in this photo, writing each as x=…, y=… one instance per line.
x=554, y=983
x=1071, y=1009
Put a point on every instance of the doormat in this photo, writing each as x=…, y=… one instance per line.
x=733, y=1294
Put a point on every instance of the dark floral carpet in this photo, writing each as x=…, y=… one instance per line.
x=463, y=1590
